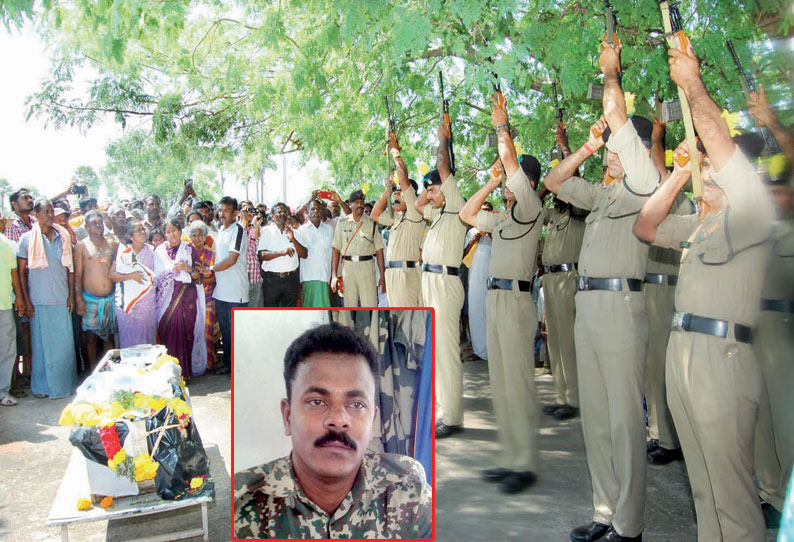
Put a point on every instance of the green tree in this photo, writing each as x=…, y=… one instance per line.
x=217, y=80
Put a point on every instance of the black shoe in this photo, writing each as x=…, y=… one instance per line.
x=652, y=445
x=496, y=474
x=517, y=481
x=565, y=412
x=443, y=430
x=613, y=536
x=590, y=532
x=772, y=516
x=663, y=456
x=551, y=409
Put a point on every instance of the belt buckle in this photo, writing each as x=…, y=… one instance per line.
x=678, y=321
x=489, y=283
x=582, y=284
x=354, y=258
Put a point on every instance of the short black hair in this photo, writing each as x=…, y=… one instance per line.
x=86, y=202
x=155, y=196
x=155, y=232
x=93, y=215
x=176, y=222
x=14, y=196
x=280, y=204
x=132, y=225
x=40, y=202
x=228, y=200
x=330, y=338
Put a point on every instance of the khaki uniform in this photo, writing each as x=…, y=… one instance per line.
x=444, y=292
x=659, y=304
x=360, y=285
x=511, y=365
x=611, y=334
x=404, y=284
x=563, y=243
x=774, y=346
x=714, y=384
x=390, y=498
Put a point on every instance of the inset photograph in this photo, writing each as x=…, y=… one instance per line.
x=332, y=423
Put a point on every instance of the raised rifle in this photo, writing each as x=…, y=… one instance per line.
x=612, y=30
x=389, y=161
x=677, y=39
x=749, y=85
x=556, y=152
x=445, y=117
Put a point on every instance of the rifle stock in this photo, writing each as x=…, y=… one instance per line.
x=445, y=117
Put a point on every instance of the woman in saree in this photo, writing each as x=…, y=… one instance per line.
x=133, y=273
x=197, y=232
x=180, y=301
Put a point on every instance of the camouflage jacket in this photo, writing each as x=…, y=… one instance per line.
x=390, y=498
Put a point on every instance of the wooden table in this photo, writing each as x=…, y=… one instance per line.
x=75, y=485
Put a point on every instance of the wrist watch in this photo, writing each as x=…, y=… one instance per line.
x=500, y=127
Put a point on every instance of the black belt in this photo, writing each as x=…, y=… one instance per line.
x=494, y=283
x=584, y=284
x=559, y=268
x=359, y=258
x=280, y=274
x=435, y=268
x=400, y=265
x=777, y=305
x=659, y=278
x=685, y=321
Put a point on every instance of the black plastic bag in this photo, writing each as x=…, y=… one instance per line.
x=89, y=442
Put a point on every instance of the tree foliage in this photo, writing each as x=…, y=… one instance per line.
x=237, y=81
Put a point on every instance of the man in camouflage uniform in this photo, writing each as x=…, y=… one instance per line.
x=403, y=274
x=331, y=486
x=714, y=381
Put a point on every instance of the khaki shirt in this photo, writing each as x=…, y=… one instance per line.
x=779, y=281
x=725, y=255
x=515, y=232
x=367, y=239
x=407, y=230
x=666, y=261
x=609, y=247
x=444, y=242
x=390, y=498
x=563, y=238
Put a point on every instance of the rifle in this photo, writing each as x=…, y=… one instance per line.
x=749, y=85
x=389, y=161
x=556, y=152
x=445, y=117
x=677, y=39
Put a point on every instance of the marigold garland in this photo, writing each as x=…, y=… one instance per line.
x=145, y=468
x=107, y=502
x=83, y=504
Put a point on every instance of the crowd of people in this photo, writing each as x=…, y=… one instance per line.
x=620, y=259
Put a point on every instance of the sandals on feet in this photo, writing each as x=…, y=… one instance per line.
x=8, y=401
x=40, y=395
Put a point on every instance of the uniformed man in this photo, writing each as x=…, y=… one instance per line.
x=357, y=242
x=659, y=291
x=611, y=328
x=441, y=285
x=509, y=305
x=714, y=382
x=331, y=486
x=774, y=344
x=403, y=273
x=564, y=232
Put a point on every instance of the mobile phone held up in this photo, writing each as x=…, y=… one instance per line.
x=326, y=194
x=188, y=183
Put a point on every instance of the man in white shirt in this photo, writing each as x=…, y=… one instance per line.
x=279, y=251
x=231, y=273
x=315, y=270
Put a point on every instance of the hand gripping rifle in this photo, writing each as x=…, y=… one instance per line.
x=445, y=117
x=596, y=91
x=749, y=85
x=677, y=39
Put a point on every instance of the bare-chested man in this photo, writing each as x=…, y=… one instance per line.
x=93, y=288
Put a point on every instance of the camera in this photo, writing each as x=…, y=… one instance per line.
x=188, y=183
x=80, y=189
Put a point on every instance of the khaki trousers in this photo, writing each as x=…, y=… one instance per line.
x=559, y=290
x=611, y=333
x=713, y=389
x=445, y=294
x=774, y=434
x=511, y=367
x=404, y=287
x=659, y=304
x=360, y=286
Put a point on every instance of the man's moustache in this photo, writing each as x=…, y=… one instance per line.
x=332, y=436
